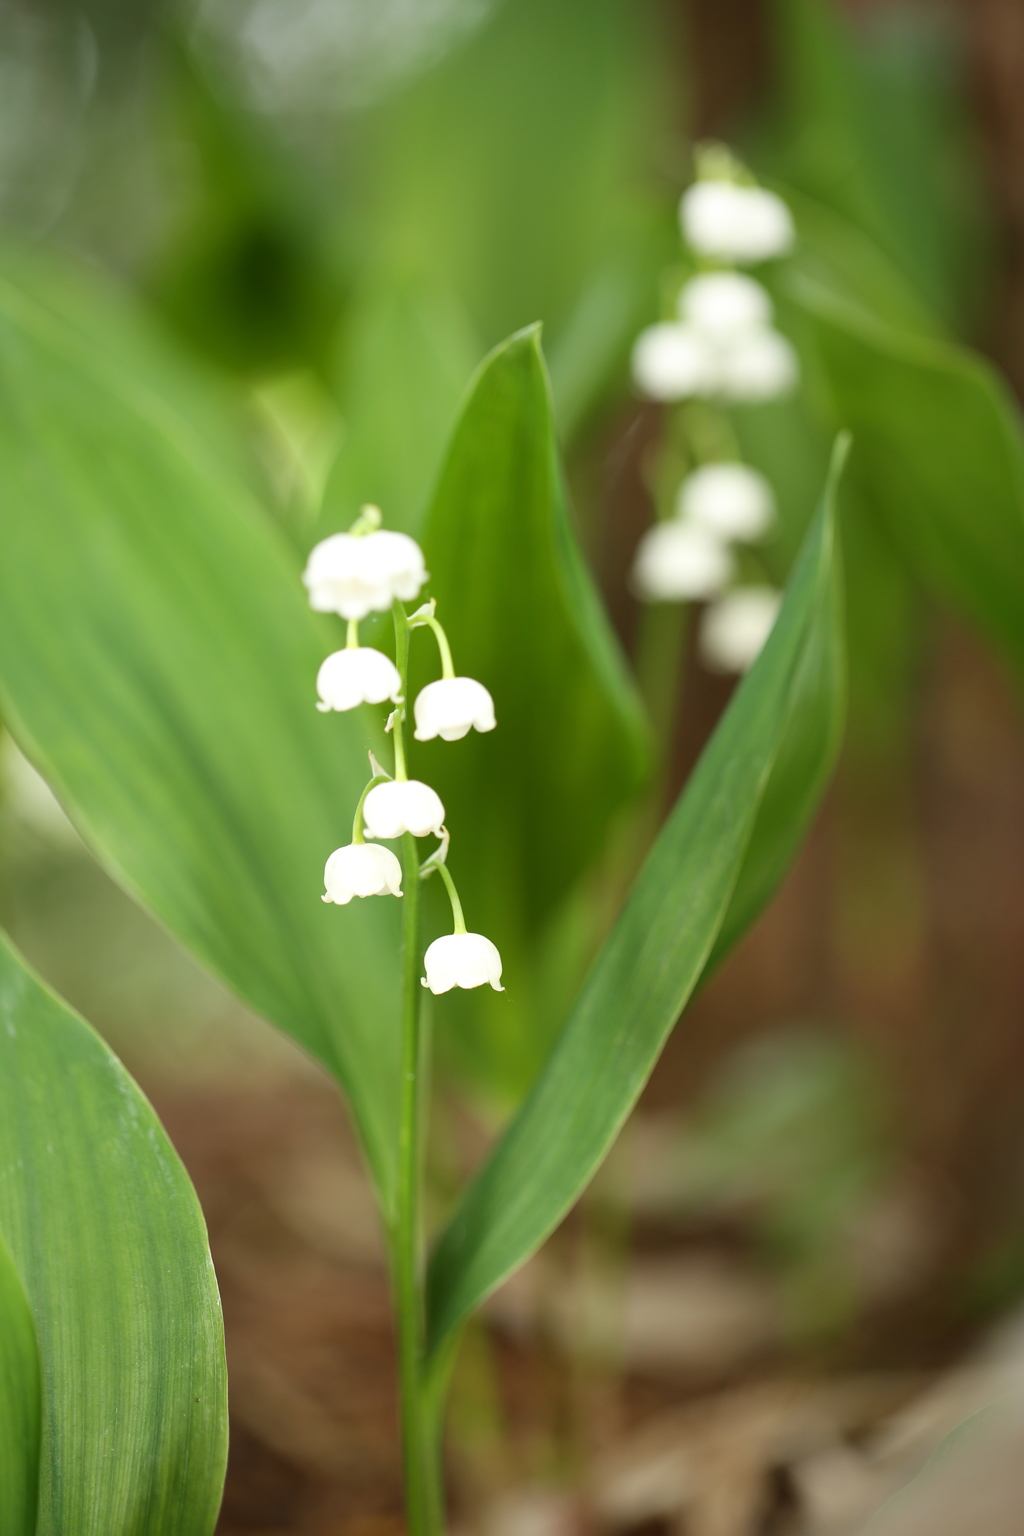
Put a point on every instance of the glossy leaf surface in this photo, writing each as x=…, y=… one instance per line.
x=529, y=803
x=109, y=1243
x=716, y=860
x=157, y=663
x=939, y=456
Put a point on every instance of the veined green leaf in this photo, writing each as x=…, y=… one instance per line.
x=528, y=804
x=939, y=457
x=19, y=1404
x=108, y=1240
x=157, y=663
x=750, y=796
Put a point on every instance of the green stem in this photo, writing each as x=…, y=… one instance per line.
x=402, y=663
x=420, y=1440
x=418, y=1450
x=453, y=897
x=352, y=635
x=447, y=666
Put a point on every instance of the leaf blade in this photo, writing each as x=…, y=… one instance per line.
x=20, y=1404
x=646, y=970
x=157, y=664
x=531, y=800
x=940, y=457
x=110, y=1245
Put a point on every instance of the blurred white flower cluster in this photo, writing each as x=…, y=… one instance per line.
x=369, y=570
x=722, y=348
x=689, y=557
x=722, y=344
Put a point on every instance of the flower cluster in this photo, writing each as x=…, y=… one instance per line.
x=370, y=570
x=724, y=349
x=722, y=344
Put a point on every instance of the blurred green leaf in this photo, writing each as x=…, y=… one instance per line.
x=408, y=357
x=870, y=122
x=529, y=804
x=108, y=1239
x=20, y=1404
x=243, y=271
x=157, y=664
x=515, y=170
x=693, y=881
x=939, y=458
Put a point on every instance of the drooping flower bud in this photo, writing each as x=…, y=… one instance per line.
x=731, y=501
x=403, y=805
x=358, y=675
x=450, y=707
x=361, y=869
x=672, y=362
x=678, y=562
x=735, y=223
x=724, y=304
x=357, y=574
x=734, y=630
x=462, y=960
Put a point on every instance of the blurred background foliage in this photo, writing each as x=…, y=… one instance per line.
x=319, y=216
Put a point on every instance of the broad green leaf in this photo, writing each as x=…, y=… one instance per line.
x=157, y=664
x=515, y=168
x=408, y=357
x=108, y=1240
x=20, y=1404
x=939, y=457
x=767, y=759
x=529, y=804
x=871, y=121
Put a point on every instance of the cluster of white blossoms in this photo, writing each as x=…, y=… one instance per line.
x=689, y=558
x=370, y=570
x=723, y=348
x=722, y=345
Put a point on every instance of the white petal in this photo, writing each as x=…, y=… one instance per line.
x=462, y=960
x=450, y=707
x=724, y=303
x=733, y=223
x=357, y=676
x=761, y=365
x=404, y=805
x=361, y=869
x=672, y=362
x=734, y=629
x=358, y=575
x=732, y=501
x=678, y=561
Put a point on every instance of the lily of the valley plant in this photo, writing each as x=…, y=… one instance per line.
x=371, y=570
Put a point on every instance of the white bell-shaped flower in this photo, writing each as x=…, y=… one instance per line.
x=672, y=362
x=680, y=562
x=451, y=707
x=361, y=869
x=462, y=960
x=403, y=805
x=734, y=629
x=359, y=675
x=357, y=574
x=758, y=365
x=735, y=223
x=731, y=501
x=724, y=304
